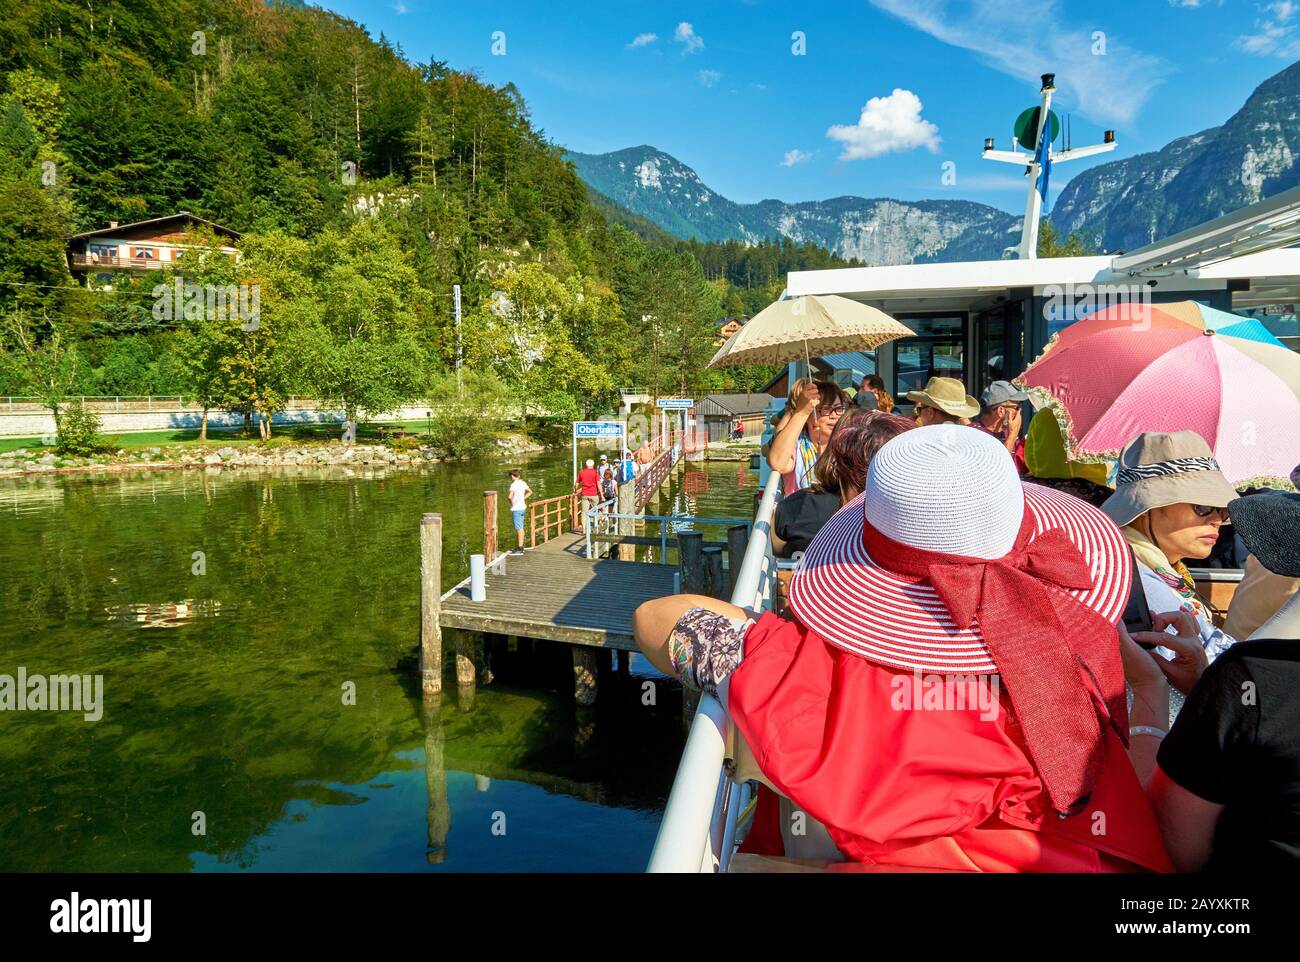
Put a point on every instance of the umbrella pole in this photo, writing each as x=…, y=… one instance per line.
x=807, y=364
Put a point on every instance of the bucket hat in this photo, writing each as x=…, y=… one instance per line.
x=1157, y=469
x=947, y=394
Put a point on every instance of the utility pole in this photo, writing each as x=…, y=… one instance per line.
x=455, y=301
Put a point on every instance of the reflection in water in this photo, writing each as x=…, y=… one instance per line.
x=168, y=615
x=435, y=779
x=311, y=583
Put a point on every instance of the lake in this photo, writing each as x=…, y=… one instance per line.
x=227, y=741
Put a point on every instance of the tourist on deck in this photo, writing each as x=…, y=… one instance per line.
x=865, y=400
x=628, y=466
x=587, y=484
x=947, y=572
x=874, y=385
x=1170, y=500
x=944, y=401
x=1000, y=417
x=519, y=494
x=1226, y=789
x=1261, y=591
x=840, y=474
x=1048, y=462
x=813, y=410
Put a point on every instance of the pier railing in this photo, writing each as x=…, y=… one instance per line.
x=551, y=517
x=601, y=527
x=600, y=520
x=706, y=808
x=652, y=475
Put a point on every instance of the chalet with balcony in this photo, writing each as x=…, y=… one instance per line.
x=729, y=326
x=145, y=245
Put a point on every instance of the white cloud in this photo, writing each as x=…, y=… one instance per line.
x=795, y=156
x=691, y=41
x=759, y=87
x=400, y=8
x=886, y=124
x=642, y=39
x=1275, y=32
x=1110, y=88
x=708, y=78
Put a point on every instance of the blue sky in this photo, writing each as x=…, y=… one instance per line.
x=883, y=94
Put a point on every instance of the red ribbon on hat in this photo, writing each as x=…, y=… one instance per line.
x=1046, y=644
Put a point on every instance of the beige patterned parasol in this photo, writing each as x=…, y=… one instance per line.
x=817, y=324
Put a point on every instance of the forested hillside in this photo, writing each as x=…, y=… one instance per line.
x=366, y=182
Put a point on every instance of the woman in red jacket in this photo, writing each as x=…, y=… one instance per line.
x=950, y=695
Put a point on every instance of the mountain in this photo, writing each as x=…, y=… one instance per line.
x=1131, y=202
x=656, y=186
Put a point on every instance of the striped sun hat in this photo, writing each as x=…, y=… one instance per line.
x=948, y=564
x=951, y=490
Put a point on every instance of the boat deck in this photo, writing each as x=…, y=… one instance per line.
x=554, y=593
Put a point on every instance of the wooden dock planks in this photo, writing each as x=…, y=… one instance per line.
x=556, y=594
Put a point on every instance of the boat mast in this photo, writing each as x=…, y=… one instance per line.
x=1038, y=161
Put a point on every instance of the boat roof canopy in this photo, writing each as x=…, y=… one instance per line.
x=1244, y=250
x=1273, y=276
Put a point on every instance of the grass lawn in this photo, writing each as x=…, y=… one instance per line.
x=190, y=436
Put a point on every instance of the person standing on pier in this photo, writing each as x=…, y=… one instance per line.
x=520, y=492
x=587, y=484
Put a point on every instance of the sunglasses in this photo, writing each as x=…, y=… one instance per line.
x=833, y=409
x=1205, y=511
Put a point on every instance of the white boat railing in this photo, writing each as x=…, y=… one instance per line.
x=702, y=818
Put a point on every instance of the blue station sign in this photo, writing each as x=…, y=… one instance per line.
x=597, y=429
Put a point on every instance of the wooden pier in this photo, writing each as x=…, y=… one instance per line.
x=554, y=592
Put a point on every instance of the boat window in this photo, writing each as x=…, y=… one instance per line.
x=938, y=350
x=999, y=344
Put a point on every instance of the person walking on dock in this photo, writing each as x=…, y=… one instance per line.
x=587, y=484
x=520, y=492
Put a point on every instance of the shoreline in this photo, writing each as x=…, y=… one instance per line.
x=24, y=463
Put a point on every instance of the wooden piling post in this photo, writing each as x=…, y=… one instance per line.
x=627, y=521
x=737, y=542
x=489, y=526
x=584, y=675
x=430, y=603
x=690, y=559
x=494, y=650
x=714, y=585
x=467, y=643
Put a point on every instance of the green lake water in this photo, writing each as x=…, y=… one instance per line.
x=224, y=692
